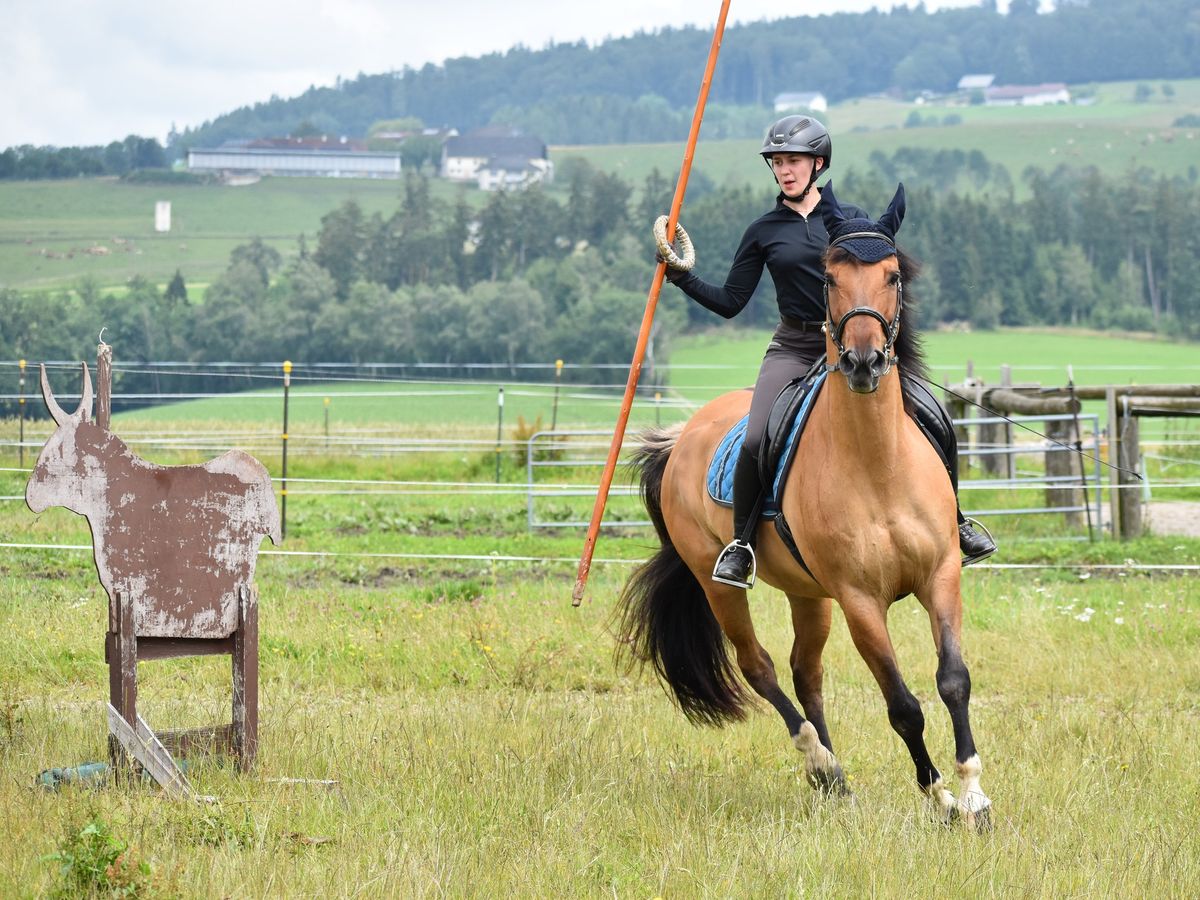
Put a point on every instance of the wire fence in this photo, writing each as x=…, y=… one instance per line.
x=364, y=410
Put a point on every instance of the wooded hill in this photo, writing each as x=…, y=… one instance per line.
x=619, y=90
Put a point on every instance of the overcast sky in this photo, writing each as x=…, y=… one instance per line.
x=75, y=72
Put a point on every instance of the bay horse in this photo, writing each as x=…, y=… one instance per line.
x=872, y=511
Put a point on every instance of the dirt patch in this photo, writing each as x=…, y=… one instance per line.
x=1180, y=517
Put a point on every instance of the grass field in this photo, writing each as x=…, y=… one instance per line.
x=68, y=218
x=484, y=743
x=1115, y=134
x=46, y=228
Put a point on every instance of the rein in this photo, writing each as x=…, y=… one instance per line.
x=890, y=329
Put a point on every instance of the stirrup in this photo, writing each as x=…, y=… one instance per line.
x=732, y=546
x=979, y=557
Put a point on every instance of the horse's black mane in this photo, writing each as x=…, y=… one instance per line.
x=908, y=347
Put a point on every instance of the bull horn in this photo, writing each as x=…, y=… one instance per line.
x=56, y=411
x=85, y=401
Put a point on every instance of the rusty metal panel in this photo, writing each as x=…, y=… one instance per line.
x=177, y=542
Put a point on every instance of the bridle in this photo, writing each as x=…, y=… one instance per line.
x=890, y=329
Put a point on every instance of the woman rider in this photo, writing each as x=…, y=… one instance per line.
x=790, y=241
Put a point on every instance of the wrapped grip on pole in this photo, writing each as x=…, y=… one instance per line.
x=686, y=257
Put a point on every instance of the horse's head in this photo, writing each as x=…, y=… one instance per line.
x=864, y=294
x=61, y=466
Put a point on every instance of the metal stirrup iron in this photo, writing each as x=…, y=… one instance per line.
x=752, y=576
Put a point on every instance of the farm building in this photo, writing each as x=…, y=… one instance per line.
x=294, y=156
x=1026, y=94
x=813, y=100
x=496, y=157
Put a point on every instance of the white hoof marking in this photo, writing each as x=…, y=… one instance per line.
x=973, y=803
x=820, y=765
x=945, y=805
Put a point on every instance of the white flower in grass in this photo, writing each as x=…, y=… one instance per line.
x=1120, y=620
x=1086, y=615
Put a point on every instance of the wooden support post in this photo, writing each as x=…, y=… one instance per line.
x=245, y=679
x=104, y=385
x=1114, y=482
x=995, y=435
x=121, y=650
x=1128, y=453
x=1060, y=463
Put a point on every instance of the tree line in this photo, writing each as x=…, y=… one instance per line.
x=530, y=278
x=639, y=88
x=134, y=153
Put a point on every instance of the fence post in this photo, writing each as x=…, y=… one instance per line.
x=1059, y=463
x=558, y=366
x=104, y=385
x=1114, y=482
x=287, y=383
x=1127, y=458
x=326, y=423
x=21, y=414
x=658, y=407
x=499, y=430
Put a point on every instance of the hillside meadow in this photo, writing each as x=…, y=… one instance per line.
x=55, y=233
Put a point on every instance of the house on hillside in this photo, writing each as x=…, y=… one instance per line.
x=813, y=100
x=496, y=157
x=320, y=157
x=1027, y=94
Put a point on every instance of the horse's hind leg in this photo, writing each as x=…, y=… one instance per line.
x=867, y=620
x=732, y=611
x=811, y=619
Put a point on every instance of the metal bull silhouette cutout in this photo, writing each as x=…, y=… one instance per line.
x=175, y=548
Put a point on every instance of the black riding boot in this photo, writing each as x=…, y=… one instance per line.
x=933, y=420
x=736, y=564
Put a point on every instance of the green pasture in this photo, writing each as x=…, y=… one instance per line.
x=702, y=366
x=1039, y=355
x=485, y=743
x=47, y=228
x=1114, y=134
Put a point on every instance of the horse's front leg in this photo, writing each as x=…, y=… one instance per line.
x=867, y=620
x=811, y=620
x=732, y=611
x=954, y=686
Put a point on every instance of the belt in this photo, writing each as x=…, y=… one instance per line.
x=800, y=324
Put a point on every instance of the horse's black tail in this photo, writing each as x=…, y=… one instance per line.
x=665, y=618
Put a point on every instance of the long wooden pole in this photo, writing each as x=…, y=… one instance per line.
x=635, y=369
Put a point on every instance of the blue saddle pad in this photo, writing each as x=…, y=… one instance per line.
x=720, y=468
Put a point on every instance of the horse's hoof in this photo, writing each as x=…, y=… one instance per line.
x=979, y=821
x=829, y=783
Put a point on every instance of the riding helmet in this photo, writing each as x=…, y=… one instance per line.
x=798, y=134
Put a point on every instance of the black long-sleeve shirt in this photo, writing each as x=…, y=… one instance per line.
x=791, y=247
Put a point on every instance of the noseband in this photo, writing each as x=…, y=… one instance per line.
x=890, y=329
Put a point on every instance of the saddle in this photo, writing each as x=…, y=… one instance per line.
x=786, y=422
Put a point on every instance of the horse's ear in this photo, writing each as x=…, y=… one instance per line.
x=831, y=210
x=895, y=212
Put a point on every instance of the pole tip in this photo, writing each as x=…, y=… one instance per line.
x=287, y=367
x=21, y=363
